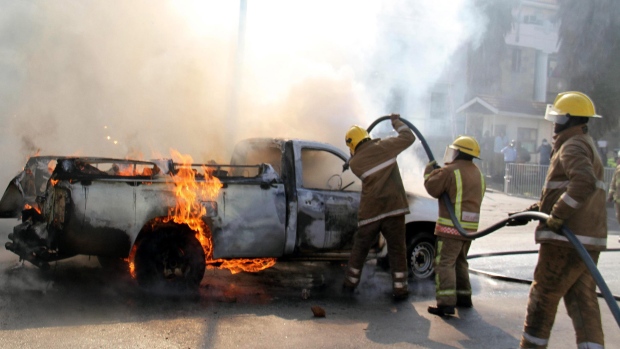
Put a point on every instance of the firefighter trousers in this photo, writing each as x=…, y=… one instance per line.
x=560, y=272
x=451, y=271
x=393, y=229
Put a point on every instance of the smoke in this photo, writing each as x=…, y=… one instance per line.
x=114, y=78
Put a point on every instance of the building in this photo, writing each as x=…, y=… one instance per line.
x=516, y=102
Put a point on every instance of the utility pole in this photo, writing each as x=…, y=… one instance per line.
x=233, y=108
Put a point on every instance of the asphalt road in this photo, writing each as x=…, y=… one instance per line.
x=78, y=305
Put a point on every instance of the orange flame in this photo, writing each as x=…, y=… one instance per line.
x=132, y=171
x=129, y=259
x=36, y=208
x=188, y=210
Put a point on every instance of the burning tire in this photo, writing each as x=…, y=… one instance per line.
x=171, y=258
x=420, y=256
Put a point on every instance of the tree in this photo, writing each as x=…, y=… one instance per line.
x=486, y=55
x=588, y=57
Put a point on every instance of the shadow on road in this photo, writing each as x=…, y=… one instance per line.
x=78, y=292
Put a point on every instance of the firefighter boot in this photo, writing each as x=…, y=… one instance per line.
x=400, y=288
x=464, y=302
x=441, y=310
x=351, y=280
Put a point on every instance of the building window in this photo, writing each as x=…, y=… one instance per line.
x=532, y=19
x=527, y=137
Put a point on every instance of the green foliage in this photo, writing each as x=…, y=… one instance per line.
x=485, y=56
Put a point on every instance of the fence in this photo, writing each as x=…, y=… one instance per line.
x=527, y=180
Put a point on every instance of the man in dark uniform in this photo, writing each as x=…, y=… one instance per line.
x=464, y=183
x=383, y=203
x=574, y=196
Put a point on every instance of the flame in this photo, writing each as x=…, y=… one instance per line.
x=189, y=192
x=131, y=170
x=36, y=208
x=129, y=260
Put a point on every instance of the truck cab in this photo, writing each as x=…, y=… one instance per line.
x=323, y=199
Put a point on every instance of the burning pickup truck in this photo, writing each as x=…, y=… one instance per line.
x=167, y=221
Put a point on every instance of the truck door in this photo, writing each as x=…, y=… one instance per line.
x=252, y=221
x=328, y=200
x=252, y=218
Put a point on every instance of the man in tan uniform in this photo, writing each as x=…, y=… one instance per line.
x=383, y=203
x=573, y=196
x=614, y=189
x=464, y=183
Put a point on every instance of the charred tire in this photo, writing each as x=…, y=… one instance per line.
x=170, y=259
x=420, y=256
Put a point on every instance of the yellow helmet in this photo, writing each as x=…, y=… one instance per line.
x=571, y=103
x=467, y=145
x=354, y=136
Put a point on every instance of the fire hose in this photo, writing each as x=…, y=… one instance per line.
x=581, y=250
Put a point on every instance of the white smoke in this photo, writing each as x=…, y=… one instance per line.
x=153, y=76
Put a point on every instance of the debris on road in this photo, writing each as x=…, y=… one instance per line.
x=318, y=311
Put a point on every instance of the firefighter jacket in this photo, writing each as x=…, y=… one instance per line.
x=465, y=185
x=574, y=191
x=614, y=186
x=374, y=162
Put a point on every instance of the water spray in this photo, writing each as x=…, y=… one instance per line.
x=581, y=250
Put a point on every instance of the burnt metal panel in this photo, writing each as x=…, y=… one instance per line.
x=290, y=187
x=251, y=222
x=422, y=209
x=341, y=220
x=310, y=220
x=105, y=217
x=327, y=219
x=26, y=186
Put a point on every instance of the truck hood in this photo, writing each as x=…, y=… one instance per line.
x=423, y=208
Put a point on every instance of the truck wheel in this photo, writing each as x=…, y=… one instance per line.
x=420, y=256
x=170, y=258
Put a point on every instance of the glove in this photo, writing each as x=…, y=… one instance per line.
x=555, y=224
x=394, y=116
x=522, y=221
x=429, y=168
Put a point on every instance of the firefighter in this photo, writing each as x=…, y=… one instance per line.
x=574, y=196
x=614, y=187
x=383, y=202
x=464, y=183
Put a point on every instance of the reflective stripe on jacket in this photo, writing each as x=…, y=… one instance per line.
x=574, y=191
x=464, y=183
x=374, y=162
x=614, y=186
